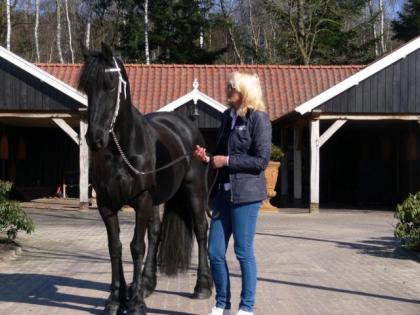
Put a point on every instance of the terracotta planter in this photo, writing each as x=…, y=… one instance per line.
x=271, y=174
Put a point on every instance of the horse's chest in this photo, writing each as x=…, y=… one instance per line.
x=112, y=180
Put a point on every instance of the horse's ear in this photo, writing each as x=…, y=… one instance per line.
x=85, y=50
x=107, y=53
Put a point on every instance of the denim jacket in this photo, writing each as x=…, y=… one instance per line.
x=249, y=150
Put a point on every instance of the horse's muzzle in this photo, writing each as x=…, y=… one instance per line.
x=97, y=139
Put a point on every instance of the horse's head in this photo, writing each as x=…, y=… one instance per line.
x=100, y=80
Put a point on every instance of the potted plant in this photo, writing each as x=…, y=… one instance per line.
x=271, y=174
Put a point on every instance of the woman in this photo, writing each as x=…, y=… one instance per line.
x=242, y=153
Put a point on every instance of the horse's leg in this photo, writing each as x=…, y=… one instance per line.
x=196, y=196
x=118, y=296
x=144, y=208
x=149, y=270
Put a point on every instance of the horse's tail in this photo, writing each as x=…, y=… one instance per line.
x=176, y=238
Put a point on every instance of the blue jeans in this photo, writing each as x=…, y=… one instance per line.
x=239, y=220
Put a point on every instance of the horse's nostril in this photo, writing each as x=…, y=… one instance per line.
x=99, y=143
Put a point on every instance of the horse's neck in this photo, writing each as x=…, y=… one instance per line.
x=130, y=126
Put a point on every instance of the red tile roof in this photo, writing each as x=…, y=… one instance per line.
x=285, y=86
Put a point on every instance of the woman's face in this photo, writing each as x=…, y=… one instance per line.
x=234, y=98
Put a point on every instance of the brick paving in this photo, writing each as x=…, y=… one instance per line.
x=335, y=262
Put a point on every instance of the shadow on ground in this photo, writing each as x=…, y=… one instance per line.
x=387, y=247
x=337, y=290
x=20, y=288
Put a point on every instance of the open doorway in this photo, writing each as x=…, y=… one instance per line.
x=370, y=164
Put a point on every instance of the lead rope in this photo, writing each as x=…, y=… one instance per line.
x=136, y=171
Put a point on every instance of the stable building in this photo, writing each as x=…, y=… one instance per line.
x=41, y=122
x=357, y=143
x=363, y=163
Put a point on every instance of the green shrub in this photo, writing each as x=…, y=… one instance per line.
x=12, y=217
x=5, y=188
x=408, y=227
x=276, y=153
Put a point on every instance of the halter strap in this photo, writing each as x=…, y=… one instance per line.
x=121, y=82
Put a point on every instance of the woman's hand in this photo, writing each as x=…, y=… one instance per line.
x=219, y=161
x=200, y=153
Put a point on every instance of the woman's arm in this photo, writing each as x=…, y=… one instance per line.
x=261, y=139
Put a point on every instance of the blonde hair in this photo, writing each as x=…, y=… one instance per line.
x=249, y=86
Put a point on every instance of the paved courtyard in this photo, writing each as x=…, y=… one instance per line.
x=335, y=262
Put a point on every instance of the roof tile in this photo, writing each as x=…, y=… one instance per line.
x=284, y=86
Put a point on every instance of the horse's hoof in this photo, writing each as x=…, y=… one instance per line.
x=147, y=292
x=121, y=311
x=148, y=286
x=111, y=308
x=201, y=294
x=137, y=310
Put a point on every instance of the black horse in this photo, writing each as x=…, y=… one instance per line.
x=124, y=144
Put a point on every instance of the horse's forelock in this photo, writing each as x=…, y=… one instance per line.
x=92, y=73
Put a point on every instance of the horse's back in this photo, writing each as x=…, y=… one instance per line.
x=179, y=125
x=175, y=135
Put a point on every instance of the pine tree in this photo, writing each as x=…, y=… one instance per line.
x=407, y=26
x=175, y=28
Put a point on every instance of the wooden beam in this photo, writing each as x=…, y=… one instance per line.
x=284, y=166
x=83, y=167
x=314, y=204
x=67, y=129
x=369, y=117
x=37, y=115
x=330, y=131
x=297, y=164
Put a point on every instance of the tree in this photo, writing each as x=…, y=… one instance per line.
x=58, y=31
x=202, y=31
x=407, y=26
x=171, y=30
x=146, y=31
x=229, y=24
x=36, y=27
x=69, y=30
x=318, y=30
x=9, y=24
x=177, y=26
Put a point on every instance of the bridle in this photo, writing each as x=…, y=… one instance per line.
x=121, y=82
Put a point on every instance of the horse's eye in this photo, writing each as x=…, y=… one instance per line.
x=110, y=83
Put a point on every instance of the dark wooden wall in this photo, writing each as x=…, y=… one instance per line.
x=395, y=89
x=50, y=154
x=20, y=91
x=209, y=117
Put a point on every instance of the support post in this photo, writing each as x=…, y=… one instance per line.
x=283, y=168
x=83, y=166
x=297, y=165
x=314, y=202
